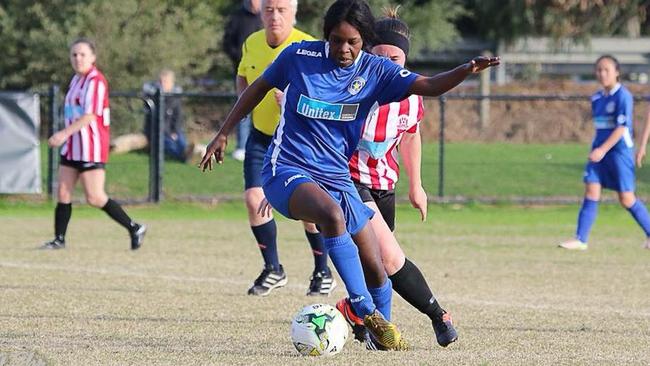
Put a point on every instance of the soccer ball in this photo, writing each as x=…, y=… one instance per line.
x=319, y=330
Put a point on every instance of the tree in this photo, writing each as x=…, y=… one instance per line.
x=134, y=39
x=559, y=19
x=431, y=21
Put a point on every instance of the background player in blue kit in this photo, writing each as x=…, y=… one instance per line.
x=329, y=89
x=611, y=160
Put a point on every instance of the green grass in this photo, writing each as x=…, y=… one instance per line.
x=472, y=170
x=181, y=299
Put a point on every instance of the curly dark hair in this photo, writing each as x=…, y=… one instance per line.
x=355, y=12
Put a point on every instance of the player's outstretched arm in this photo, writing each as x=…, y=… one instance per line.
x=250, y=98
x=441, y=83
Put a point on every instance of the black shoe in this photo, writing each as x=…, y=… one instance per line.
x=137, y=236
x=321, y=283
x=268, y=280
x=444, y=329
x=57, y=243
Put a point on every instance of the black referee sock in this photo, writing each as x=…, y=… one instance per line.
x=62, y=214
x=318, y=250
x=266, y=237
x=409, y=283
x=115, y=211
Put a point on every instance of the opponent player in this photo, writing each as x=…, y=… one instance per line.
x=611, y=160
x=374, y=168
x=85, y=141
x=329, y=90
x=258, y=51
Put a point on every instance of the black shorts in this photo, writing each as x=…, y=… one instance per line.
x=385, y=200
x=81, y=166
x=256, y=147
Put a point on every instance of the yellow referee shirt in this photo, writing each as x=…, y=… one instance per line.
x=256, y=56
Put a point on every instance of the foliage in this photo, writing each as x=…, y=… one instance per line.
x=574, y=19
x=134, y=39
x=431, y=21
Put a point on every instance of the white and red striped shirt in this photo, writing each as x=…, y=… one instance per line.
x=374, y=163
x=88, y=95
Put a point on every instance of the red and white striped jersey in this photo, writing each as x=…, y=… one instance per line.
x=375, y=163
x=88, y=95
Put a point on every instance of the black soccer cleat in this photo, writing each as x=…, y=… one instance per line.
x=321, y=283
x=55, y=244
x=444, y=329
x=267, y=281
x=137, y=236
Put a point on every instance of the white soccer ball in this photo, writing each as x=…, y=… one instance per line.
x=319, y=330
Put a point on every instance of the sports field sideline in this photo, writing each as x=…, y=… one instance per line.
x=181, y=299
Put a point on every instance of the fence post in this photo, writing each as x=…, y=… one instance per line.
x=441, y=149
x=157, y=148
x=484, y=113
x=53, y=127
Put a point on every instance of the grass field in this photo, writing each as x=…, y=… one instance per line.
x=497, y=171
x=181, y=299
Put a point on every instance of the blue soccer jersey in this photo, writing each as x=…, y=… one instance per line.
x=610, y=111
x=325, y=107
x=616, y=170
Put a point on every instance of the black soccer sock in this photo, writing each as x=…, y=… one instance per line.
x=266, y=236
x=318, y=250
x=409, y=283
x=115, y=211
x=62, y=214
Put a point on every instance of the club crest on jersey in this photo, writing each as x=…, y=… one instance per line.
x=309, y=53
x=317, y=109
x=402, y=122
x=356, y=85
x=610, y=107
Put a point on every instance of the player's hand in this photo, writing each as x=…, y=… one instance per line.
x=597, y=155
x=57, y=139
x=640, y=156
x=265, y=208
x=278, y=97
x=481, y=63
x=418, y=198
x=217, y=147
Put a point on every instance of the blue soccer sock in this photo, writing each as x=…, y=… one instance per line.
x=318, y=250
x=640, y=214
x=345, y=257
x=266, y=236
x=382, y=297
x=586, y=218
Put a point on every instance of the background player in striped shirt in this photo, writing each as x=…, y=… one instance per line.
x=611, y=160
x=84, y=146
x=374, y=169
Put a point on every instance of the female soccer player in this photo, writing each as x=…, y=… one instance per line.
x=85, y=143
x=329, y=90
x=611, y=160
x=374, y=169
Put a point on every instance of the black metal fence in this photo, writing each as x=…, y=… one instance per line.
x=154, y=109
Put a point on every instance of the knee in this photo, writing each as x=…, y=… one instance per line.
x=253, y=199
x=333, y=215
x=627, y=200
x=332, y=220
x=64, y=195
x=97, y=200
x=393, y=261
